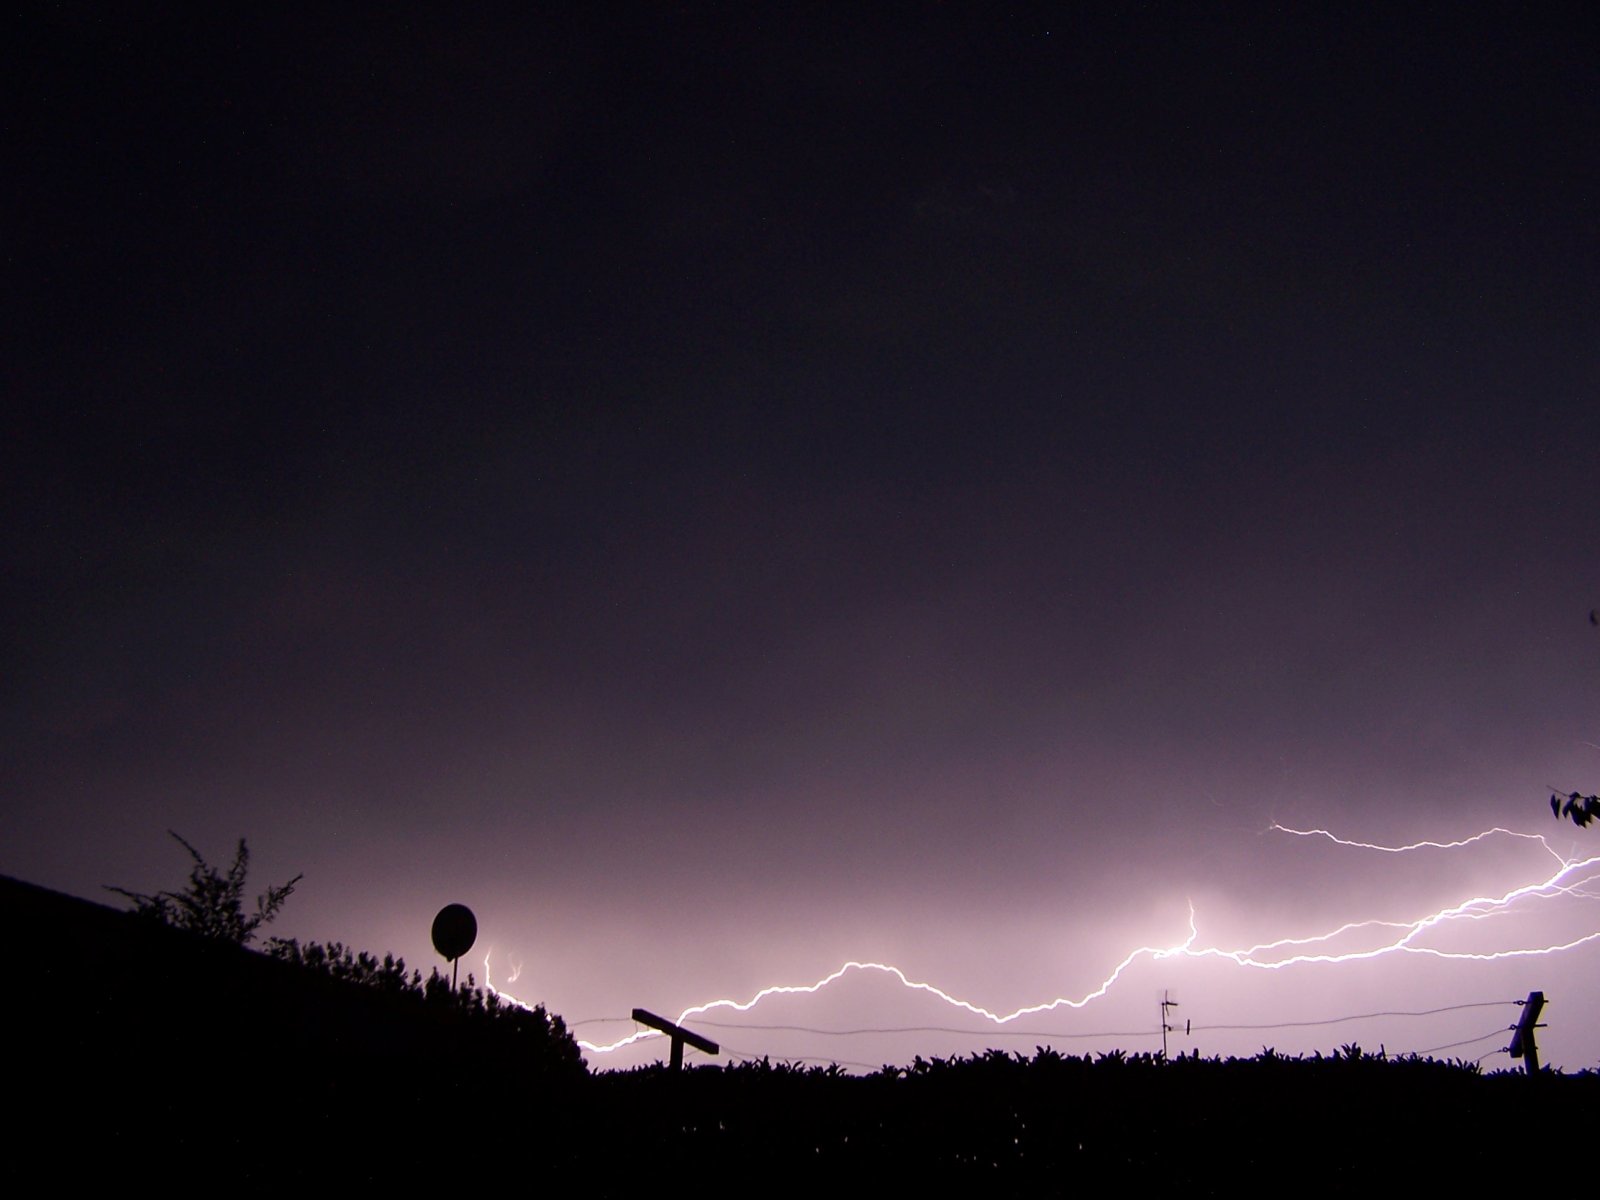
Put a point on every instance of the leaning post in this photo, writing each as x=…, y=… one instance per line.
x=678, y=1034
x=1523, y=1045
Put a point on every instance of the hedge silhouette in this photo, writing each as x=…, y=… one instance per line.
x=532, y=1029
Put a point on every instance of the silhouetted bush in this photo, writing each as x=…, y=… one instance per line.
x=514, y=1026
x=213, y=903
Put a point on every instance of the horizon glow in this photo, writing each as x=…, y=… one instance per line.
x=1568, y=881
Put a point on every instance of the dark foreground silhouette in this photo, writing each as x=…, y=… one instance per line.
x=142, y=1053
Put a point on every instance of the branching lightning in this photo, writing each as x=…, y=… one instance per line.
x=1477, y=837
x=1570, y=879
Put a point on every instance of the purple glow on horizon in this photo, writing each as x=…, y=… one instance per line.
x=1326, y=950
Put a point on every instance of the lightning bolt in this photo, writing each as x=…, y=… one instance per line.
x=1477, y=837
x=488, y=981
x=910, y=984
x=1570, y=879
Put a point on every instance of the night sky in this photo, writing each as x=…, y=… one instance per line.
x=729, y=490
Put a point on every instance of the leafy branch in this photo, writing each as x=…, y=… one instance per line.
x=1580, y=809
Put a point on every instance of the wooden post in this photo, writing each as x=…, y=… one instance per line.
x=1523, y=1045
x=678, y=1034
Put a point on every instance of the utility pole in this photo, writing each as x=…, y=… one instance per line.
x=1522, y=1042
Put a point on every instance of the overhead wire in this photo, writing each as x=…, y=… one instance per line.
x=1083, y=1035
x=1467, y=1042
x=1088, y=1035
x=1133, y=1033
x=1421, y=1012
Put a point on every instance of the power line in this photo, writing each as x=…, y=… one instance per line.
x=1113, y=1033
x=1468, y=1042
x=1105, y=1033
x=1396, y=1012
x=1061, y=1036
x=1421, y=1012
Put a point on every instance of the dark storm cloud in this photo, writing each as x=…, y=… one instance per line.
x=854, y=479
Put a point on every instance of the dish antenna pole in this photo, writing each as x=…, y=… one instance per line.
x=454, y=931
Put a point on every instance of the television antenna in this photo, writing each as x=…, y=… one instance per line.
x=1167, y=1002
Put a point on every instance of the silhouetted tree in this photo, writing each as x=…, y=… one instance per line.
x=1581, y=809
x=1578, y=808
x=213, y=903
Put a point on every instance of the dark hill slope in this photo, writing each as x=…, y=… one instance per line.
x=142, y=1054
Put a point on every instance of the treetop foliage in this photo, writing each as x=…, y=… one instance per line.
x=1580, y=809
x=213, y=903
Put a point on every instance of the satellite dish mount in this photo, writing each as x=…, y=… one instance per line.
x=454, y=931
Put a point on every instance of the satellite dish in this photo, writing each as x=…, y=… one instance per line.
x=454, y=931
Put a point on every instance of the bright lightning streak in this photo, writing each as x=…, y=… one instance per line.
x=1477, y=837
x=488, y=981
x=914, y=985
x=1569, y=881
x=1473, y=909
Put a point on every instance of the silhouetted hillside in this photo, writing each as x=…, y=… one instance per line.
x=142, y=1041
x=120, y=986
x=147, y=1054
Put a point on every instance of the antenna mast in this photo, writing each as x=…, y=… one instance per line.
x=1166, y=1002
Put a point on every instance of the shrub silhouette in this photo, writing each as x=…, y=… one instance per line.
x=213, y=903
x=213, y=906
x=532, y=1029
